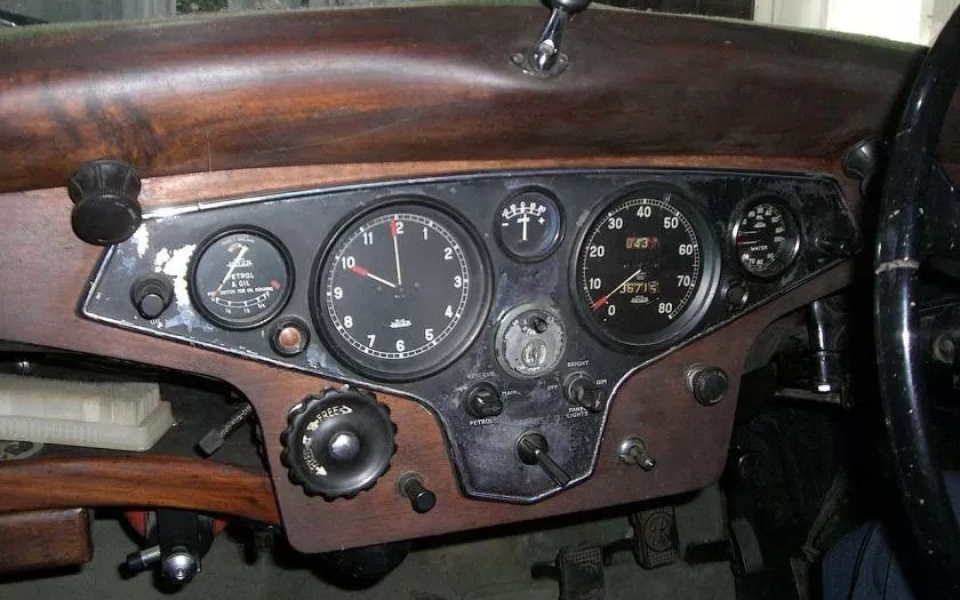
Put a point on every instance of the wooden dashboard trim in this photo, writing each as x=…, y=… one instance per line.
x=135, y=481
x=45, y=271
x=427, y=84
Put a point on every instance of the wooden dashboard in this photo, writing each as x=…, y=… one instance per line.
x=235, y=106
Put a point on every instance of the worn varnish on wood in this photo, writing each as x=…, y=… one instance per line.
x=43, y=282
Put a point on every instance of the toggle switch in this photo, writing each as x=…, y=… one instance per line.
x=532, y=448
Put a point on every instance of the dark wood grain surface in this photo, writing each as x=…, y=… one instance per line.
x=429, y=84
x=43, y=276
x=47, y=539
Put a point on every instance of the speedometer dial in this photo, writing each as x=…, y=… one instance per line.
x=646, y=268
x=401, y=291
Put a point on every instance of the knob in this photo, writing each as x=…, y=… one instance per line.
x=532, y=448
x=707, y=384
x=106, y=210
x=181, y=566
x=151, y=295
x=338, y=443
x=482, y=401
x=581, y=390
x=421, y=499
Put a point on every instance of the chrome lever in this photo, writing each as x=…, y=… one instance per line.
x=544, y=59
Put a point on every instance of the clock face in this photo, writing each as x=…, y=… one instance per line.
x=402, y=291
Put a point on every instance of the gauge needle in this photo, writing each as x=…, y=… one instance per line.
x=365, y=273
x=233, y=267
x=604, y=300
x=524, y=219
x=396, y=249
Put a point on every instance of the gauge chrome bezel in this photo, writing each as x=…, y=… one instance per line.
x=785, y=206
x=551, y=245
x=261, y=319
x=702, y=298
x=464, y=334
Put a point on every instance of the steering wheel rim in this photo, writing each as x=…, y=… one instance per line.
x=901, y=248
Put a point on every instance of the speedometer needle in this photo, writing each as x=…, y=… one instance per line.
x=365, y=273
x=394, y=231
x=606, y=298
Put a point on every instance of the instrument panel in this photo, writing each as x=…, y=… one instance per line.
x=510, y=304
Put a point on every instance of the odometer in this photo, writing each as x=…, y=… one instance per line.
x=401, y=291
x=646, y=268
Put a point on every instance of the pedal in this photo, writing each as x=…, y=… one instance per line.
x=656, y=541
x=581, y=573
x=579, y=569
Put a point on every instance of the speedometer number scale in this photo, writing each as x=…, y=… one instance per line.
x=401, y=291
x=645, y=268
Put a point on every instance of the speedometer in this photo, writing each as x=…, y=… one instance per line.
x=401, y=291
x=646, y=269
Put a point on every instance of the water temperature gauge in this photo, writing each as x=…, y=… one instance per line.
x=766, y=238
x=529, y=225
x=241, y=278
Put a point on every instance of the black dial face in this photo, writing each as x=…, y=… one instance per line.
x=529, y=225
x=240, y=278
x=646, y=268
x=402, y=291
x=766, y=237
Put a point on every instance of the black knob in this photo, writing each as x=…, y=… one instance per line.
x=106, y=210
x=707, y=384
x=581, y=390
x=482, y=401
x=532, y=449
x=421, y=499
x=337, y=444
x=151, y=295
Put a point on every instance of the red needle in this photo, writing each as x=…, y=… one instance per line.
x=600, y=302
x=365, y=273
x=393, y=228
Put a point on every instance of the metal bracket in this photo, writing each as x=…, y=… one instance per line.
x=544, y=59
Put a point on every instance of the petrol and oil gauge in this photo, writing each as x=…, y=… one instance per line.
x=241, y=278
x=529, y=225
x=766, y=238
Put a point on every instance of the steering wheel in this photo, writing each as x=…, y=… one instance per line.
x=918, y=220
